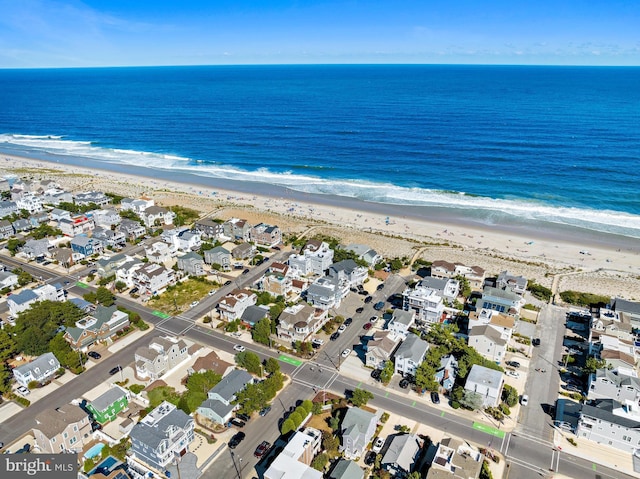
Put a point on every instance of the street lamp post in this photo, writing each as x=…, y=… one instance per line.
x=235, y=466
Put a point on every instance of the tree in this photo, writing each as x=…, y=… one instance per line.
x=414, y=475
x=261, y=332
x=509, y=395
x=14, y=244
x=68, y=358
x=387, y=372
x=272, y=366
x=24, y=278
x=105, y=297
x=252, y=398
x=307, y=404
x=485, y=472
x=320, y=462
x=5, y=378
x=330, y=443
x=296, y=418
x=120, y=286
x=8, y=346
x=203, y=382
x=44, y=230
x=287, y=426
x=361, y=397
x=36, y=326
x=334, y=423
x=249, y=361
x=593, y=364
x=471, y=400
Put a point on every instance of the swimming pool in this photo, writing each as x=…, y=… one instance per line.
x=95, y=450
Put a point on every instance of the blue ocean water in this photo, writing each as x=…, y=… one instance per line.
x=501, y=144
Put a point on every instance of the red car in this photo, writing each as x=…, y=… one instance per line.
x=262, y=448
x=367, y=326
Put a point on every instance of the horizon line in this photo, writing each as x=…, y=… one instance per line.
x=535, y=65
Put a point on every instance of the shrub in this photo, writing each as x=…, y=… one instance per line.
x=572, y=441
x=33, y=384
x=136, y=388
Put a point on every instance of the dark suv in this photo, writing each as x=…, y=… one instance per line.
x=236, y=439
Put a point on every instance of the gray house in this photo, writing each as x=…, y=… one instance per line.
x=511, y=282
x=192, y=264
x=410, y=354
x=132, y=229
x=401, y=321
x=325, y=293
x=40, y=369
x=447, y=372
x=21, y=225
x=401, y=455
x=209, y=228
x=243, y=251
x=6, y=229
x=218, y=255
x=357, y=430
x=218, y=406
x=612, y=423
x=608, y=384
x=7, y=208
x=161, y=436
x=346, y=469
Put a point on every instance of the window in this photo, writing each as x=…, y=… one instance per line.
x=65, y=435
x=75, y=428
x=73, y=440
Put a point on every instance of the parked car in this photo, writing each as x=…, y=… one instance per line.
x=94, y=355
x=367, y=326
x=239, y=347
x=23, y=390
x=195, y=303
x=368, y=299
x=237, y=422
x=115, y=370
x=536, y=341
x=380, y=287
x=512, y=374
x=373, y=319
x=346, y=353
x=243, y=417
x=133, y=290
x=379, y=305
x=264, y=411
x=375, y=374
x=317, y=342
x=524, y=400
x=513, y=364
x=435, y=397
x=377, y=446
x=370, y=458
x=348, y=321
x=334, y=336
x=359, y=310
x=404, y=384
x=342, y=328
x=236, y=439
x=227, y=283
x=262, y=448
x=212, y=292
x=245, y=271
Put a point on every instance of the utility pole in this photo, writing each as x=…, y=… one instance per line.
x=233, y=459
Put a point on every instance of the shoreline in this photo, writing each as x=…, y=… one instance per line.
x=612, y=265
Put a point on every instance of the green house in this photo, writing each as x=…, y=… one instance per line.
x=105, y=407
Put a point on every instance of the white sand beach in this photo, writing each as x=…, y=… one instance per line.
x=610, y=271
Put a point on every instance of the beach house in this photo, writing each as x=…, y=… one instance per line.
x=218, y=407
x=162, y=354
x=106, y=407
x=161, y=436
x=487, y=383
x=66, y=429
x=266, y=235
x=40, y=370
x=380, y=349
x=293, y=462
x=316, y=257
x=401, y=455
x=153, y=279
x=218, y=256
x=356, y=432
x=299, y=322
x=410, y=355
x=233, y=305
x=426, y=303
x=102, y=324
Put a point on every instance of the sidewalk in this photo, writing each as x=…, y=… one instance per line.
x=597, y=453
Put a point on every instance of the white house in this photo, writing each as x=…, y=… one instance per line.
x=316, y=258
x=410, y=355
x=153, y=279
x=487, y=383
x=427, y=304
x=41, y=369
x=293, y=462
x=235, y=303
x=401, y=321
x=488, y=342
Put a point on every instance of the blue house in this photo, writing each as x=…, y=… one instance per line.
x=446, y=373
x=85, y=246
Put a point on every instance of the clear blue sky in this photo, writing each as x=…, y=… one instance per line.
x=70, y=33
